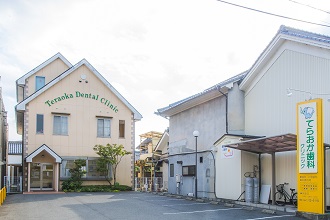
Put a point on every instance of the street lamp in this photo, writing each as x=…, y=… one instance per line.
x=289, y=93
x=196, y=134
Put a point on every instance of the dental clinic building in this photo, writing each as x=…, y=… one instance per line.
x=63, y=111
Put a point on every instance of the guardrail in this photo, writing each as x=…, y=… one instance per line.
x=3, y=194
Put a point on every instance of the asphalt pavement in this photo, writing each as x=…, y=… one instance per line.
x=125, y=205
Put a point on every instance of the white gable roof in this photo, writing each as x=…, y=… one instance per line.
x=21, y=81
x=163, y=141
x=21, y=106
x=44, y=147
x=284, y=34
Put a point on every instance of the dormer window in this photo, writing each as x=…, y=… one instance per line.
x=40, y=82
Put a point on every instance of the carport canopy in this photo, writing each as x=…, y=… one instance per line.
x=270, y=145
x=274, y=144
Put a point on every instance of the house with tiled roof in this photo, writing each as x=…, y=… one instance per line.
x=152, y=164
x=213, y=112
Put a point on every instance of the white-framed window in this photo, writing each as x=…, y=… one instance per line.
x=40, y=124
x=60, y=125
x=103, y=127
x=40, y=82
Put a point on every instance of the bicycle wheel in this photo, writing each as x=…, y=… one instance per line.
x=280, y=199
x=295, y=199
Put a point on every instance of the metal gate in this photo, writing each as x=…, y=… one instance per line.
x=149, y=184
x=13, y=184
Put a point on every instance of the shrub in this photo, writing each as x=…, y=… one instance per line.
x=75, y=181
x=122, y=188
x=105, y=188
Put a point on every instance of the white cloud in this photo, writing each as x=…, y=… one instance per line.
x=153, y=52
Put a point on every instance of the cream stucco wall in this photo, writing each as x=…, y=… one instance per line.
x=230, y=179
x=50, y=72
x=82, y=115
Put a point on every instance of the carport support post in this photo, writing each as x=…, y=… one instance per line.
x=273, y=178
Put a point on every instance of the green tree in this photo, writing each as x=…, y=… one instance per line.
x=75, y=181
x=110, y=157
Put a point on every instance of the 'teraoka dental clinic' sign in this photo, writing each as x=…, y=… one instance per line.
x=66, y=96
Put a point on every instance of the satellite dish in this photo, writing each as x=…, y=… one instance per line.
x=83, y=76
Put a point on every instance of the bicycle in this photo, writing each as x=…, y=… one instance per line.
x=282, y=196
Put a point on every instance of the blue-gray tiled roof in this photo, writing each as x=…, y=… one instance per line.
x=215, y=87
x=303, y=34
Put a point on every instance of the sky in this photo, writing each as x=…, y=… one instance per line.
x=154, y=52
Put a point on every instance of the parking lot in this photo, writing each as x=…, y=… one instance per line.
x=124, y=205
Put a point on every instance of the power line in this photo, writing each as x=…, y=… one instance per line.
x=299, y=3
x=276, y=15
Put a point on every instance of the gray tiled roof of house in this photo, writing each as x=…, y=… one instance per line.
x=15, y=147
x=145, y=142
x=215, y=87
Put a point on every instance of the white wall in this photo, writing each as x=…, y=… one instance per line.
x=228, y=175
x=14, y=159
x=269, y=111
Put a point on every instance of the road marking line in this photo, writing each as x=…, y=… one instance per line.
x=270, y=217
x=160, y=200
x=211, y=210
x=143, y=197
x=189, y=204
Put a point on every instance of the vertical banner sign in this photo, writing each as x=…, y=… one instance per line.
x=310, y=156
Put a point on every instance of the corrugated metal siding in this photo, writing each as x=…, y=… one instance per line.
x=270, y=112
x=248, y=161
x=267, y=105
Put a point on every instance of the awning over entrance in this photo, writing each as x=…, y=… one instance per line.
x=43, y=167
x=279, y=143
x=57, y=158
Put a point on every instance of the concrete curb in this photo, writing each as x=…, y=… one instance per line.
x=267, y=208
x=313, y=216
x=200, y=200
x=229, y=205
x=267, y=211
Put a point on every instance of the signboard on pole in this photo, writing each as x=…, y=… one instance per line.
x=310, y=156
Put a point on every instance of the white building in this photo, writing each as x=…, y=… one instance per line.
x=293, y=59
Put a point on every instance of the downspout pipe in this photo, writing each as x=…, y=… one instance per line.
x=259, y=172
x=226, y=96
